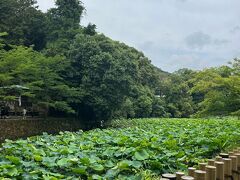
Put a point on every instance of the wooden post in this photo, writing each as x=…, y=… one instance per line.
x=224, y=155
x=191, y=171
x=219, y=170
x=211, y=172
x=202, y=166
x=238, y=159
x=199, y=175
x=179, y=175
x=211, y=162
x=218, y=158
x=236, y=151
x=234, y=166
x=227, y=168
x=231, y=153
x=187, y=178
x=169, y=176
x=238, y=163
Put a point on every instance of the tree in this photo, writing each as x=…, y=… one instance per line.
x=64, y=20
x=221, y=91
x=25, y=67
x=110, y=77
x=178, y=100
x=143, y=107
x=66, y=15
x=235, y=66
x=159, y=108
x=100, y=75
x=90, y=29
x=24, y=23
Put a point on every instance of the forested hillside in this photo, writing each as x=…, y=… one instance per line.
x=72, y=70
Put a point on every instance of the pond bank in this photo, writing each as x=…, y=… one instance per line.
x=18, y=128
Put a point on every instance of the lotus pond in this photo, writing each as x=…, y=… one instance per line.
x=130, y=149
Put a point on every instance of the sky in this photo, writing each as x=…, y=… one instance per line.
x=173, y=34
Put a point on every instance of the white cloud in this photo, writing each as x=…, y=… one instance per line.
x=159, y=28
x=187, y=60
x=44, y=5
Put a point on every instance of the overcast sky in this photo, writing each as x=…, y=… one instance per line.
x=172, y=33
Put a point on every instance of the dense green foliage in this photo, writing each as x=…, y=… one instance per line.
x=156, y=145
x=25, y=24
x=73, y=70
x=39, y=73
x=217, y=90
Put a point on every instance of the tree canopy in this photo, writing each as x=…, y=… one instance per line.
x=75, y=70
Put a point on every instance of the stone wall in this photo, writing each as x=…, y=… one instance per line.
x=18, y=128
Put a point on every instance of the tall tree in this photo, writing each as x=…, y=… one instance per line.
x=221, y=91
x=25, y=24
x=64, y=20
x=23, y=66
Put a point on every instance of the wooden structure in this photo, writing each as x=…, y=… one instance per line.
x=226, y=166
